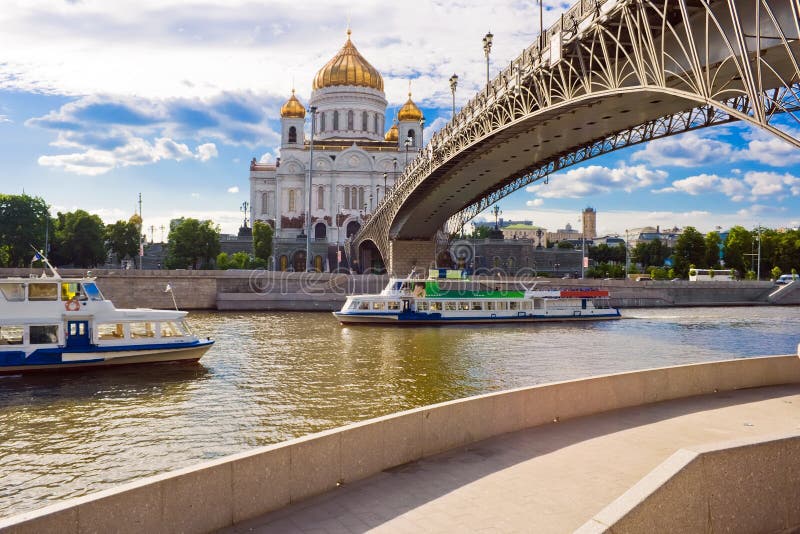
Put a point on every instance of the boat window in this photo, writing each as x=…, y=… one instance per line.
x=142, y=330
x=13, y=292
x=92, y=291
x=464, y=306
x=477, y=305
x=187, y=331
x=354, y=305
x=450, y=306
x=436, y=306
x=422, y=306
x=526, y=305
x=39, y=291
x=363, y=305
x=393, y=305
x=44, y=334
x=170, y=329
x=110, y=331
x=377, y=305
x=513, y=305
x=538, y=304
x=11, y=335
x=502, y=305
x=490, y=305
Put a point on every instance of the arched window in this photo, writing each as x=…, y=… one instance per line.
x=335, y=120
x=364, y=121
x=381, y=124
x=320, y=198
x=413, y=137
x=292, y=134
x=350, y=120
x=264, y=203
x=375, y=122
x=360, y=197
x=322, y=122
x=292, y=202
x=346, y=199
x=354, y=198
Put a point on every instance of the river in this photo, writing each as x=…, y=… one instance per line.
x=275, y=376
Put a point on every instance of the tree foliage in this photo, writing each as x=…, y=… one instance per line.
x=262, y=240
x=712, y=245
x=23, y=223
x=192, y=244
x=604, y=254
x=79, y=240
x=122, y=239
x=651, y=253
x=690, y=249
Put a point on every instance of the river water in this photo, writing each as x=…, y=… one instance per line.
x=275, y=376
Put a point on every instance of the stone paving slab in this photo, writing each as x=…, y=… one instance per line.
x=551, y=478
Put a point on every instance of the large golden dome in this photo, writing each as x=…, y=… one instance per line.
x=348, y=67
x=409, y=111
x=293, y=109
x=392, y=134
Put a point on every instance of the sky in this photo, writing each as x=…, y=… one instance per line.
x=101, y=101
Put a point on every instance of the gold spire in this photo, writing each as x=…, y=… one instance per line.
x=409, y=111
x=348, y=67
x=293, y=109
x=392, y=135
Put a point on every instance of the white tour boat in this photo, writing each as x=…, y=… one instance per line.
x=50, y=322
x=448, y=297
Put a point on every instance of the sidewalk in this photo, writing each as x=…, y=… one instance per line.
x=545, y=479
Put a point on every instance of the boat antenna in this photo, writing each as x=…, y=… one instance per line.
x=39, y=256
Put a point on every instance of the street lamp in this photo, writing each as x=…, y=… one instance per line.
x=422, y=132
x=487, y=48
x=394, y=162
x=313, y=111
x=453, y=85
x=407, y=143
x=384, y=185
x=496, y=210
x=627, y=256
x=370, y=202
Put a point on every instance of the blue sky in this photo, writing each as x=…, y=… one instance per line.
x=171, y=99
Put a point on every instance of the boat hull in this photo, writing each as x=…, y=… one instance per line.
x=437, y=319
x=56, y=360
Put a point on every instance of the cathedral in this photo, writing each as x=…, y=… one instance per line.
x=354, y=165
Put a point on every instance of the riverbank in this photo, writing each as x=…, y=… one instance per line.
x=235, y=290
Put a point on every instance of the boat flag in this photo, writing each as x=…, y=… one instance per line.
x=168, y=289
x=37, y=256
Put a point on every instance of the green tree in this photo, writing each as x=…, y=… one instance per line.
x=480, y=232
x=738, y=245
x=79, y=239
x=776, y=273
x=122, y=238
x=712, y=244
x=566, y=245
x=262, y=240
x=192, y=243
x=23, y=223
x=223, y=261
x=650, y=253
x=689, y=249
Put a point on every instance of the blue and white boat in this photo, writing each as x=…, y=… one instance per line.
x=54, y=323
x=448, y=297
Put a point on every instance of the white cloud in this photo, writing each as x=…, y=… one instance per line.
x=772, y=184
x=136, y=151
x=234, y=189
x=4, y=118
x=690, y=149
x=769, y=149
x=206, y=151
x=702, y=184
x=535, y=203
x=194, y=195
x=595, y=180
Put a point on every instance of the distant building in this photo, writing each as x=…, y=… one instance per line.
x=563, y=234
x=610, y=240
x=589, y=223
x=537, y=234
x=648, y=234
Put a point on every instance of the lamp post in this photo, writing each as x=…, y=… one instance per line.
x=453, y=85
x=370, y=202
x=309, y=261
x=338, y=238
x=394, y=162
x=627, y=256
x=407, y=143
x=487, y=48
x=384, y=185
x=758, y=267
x=422, y=132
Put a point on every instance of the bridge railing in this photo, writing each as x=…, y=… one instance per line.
x=533, y=57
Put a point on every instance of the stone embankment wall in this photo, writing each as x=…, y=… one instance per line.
x=266, y=290
x=223, y=492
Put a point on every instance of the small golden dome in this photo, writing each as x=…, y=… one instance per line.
x=409, y=111
x=348, y=67
x=293, y=109
x=392, y=135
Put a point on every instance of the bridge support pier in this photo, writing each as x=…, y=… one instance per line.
x=405, y=255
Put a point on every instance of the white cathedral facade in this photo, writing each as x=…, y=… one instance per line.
x=355, y=162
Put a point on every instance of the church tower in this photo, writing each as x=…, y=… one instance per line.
x=293, y=115
x=589, y=223
x=409, y=125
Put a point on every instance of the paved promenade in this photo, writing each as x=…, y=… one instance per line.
x=546, y=479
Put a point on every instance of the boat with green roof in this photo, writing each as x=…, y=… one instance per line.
x=449, y=296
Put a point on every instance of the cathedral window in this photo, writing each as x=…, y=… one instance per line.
x=264, y=203
x=375, y=123
x=292, y=134
x=354, y=198
x=364, y=121
x=346, y=198
x=412, y=137
x=320, y=198
x=322, y=122
x=360, y=196
x=292, y=200
x=335, y=120
x=350, y=120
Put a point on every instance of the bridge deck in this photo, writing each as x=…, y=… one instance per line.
x=545, y=479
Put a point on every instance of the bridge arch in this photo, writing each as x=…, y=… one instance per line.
x=370, y=259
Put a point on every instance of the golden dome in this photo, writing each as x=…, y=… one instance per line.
x=348, y=67
x=409, y=111
x=392, y=135
x=293, y=109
